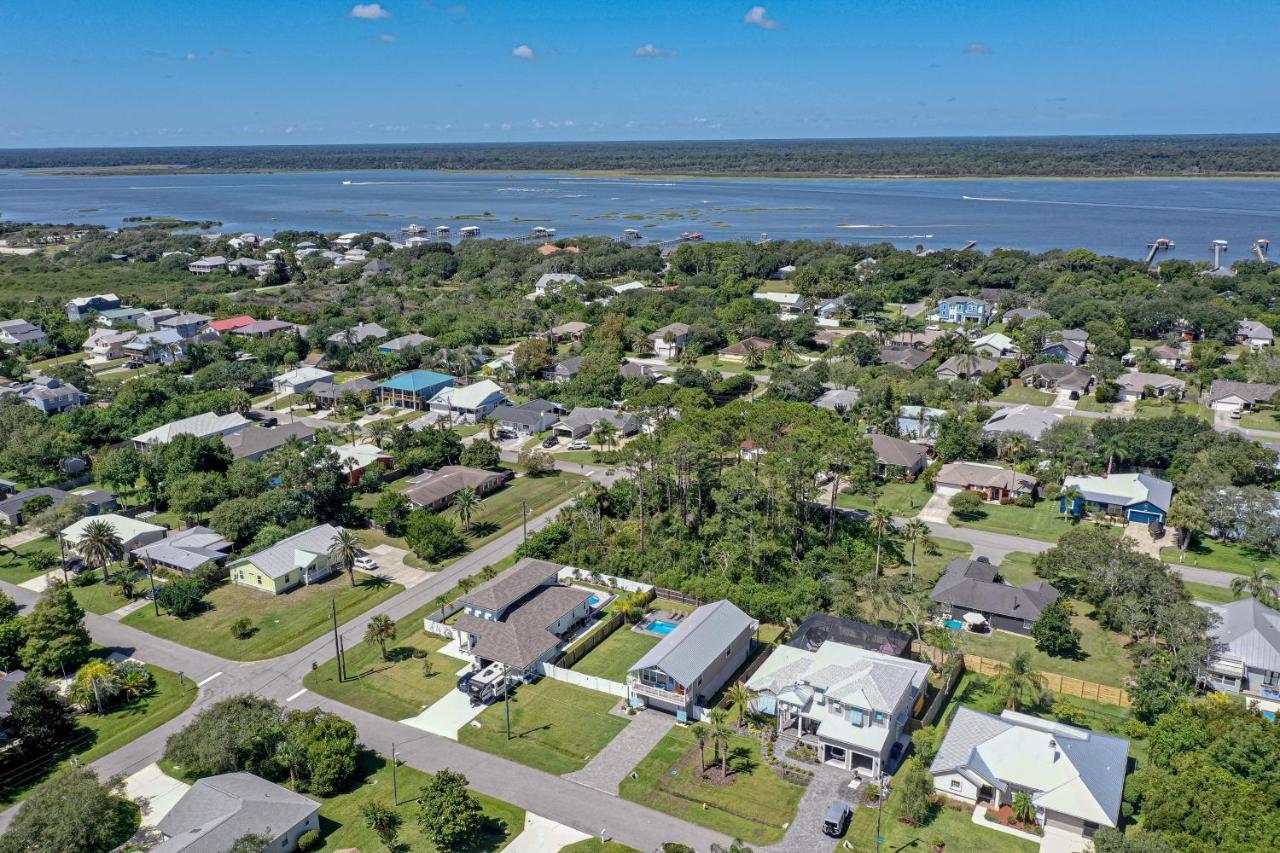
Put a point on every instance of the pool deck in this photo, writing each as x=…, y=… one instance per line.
x=670, y=621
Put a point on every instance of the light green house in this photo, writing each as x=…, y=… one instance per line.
x=301, y=559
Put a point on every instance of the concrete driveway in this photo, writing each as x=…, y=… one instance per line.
x=391, y=564
x=937, y=510
x=448, y=714
x=154, y=792
x=540, y=835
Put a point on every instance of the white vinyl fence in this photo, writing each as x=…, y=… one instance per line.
x=591, y=682
x=434, y=622
x=569, y=574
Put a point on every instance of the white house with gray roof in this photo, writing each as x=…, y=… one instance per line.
x=691, y=664
x=1075, y=776
x=218, y=810
x=1031, y=421
x=202, y=426
x=850, y=703
x=1245, y=655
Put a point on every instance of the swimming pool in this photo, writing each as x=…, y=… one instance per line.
x=658, y=626
x=594, y=601
x=954, y=624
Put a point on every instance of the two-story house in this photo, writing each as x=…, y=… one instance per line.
x=692, y=662
x=963, y=309
x=1245, y=653
x=851, y=703
x=670, y=340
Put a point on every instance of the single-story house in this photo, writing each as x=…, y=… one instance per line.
x=919, y=422
x=992, y=482
x=436, y=489
x=1075, y=776
x=1024, y=314
x=689, y=665
x=897, y=458
x=964, y=367
x=358, y=334
x=1070, y=352
x=571, y=331
x=218, y=810
x=94, y=500
x=467, y=404
x=1135, y=386
x=563, y=371
x=518, y=618
x=634, y=369
x=552, y=282
x=528, y=418
x=582, y=420
x=256, y=441
x=1226, y=395
x=627, y=287
x=300, y=559
x=852, y=704
x=837, y=399
x=328, y=394
x=1135, y=497
x=8, y=680
x=186, y=550
x=905, y=357
x=230, y=324
x=739, y=351
x=670, y=340
x=975, y=586
x=1062, y=377
x=358, y=459
x=1257, y=335
x=15, y=333
x=299, y=379
x=1029, y=420
x=203, y=426
x=996, y=345
x=1245, y=652
x=413, y=389
x=404, y=342
x=377, y=266
x=263, y=328
x=1169, y=357
x=132, y=532
x=789, y=304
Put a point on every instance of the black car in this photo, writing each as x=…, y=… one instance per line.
x=371, y=410
x=837, y=819
x=270, y=421
x=550, y=441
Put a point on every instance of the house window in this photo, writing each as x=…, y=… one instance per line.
x=856, y=716
x=955, y=784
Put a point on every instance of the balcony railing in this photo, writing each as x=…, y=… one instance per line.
x=643, y=689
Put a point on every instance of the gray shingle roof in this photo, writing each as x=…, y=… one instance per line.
x=512, y=585
x=520, y=639
x=895, y=451
x=703, y=635
x=278, y=560
x=1252, y=392
x=219, y=809
x=970, y=584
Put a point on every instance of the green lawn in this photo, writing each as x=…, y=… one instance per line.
x=1043, y=521
x=578, y=457
x=14, y=565
x=1103, y=657
x=1163, y=409
x=1023, y=394
x=1221, y=556
x=932, y=563
x=343, y=826
x=341, y=376
x=756, y=805
x=282, y=623
x=595, y=845
x=101, y=598
x=96, y=736
x=612, y=658
x=1089, y=404
x=902, y=499
x=1211, y=594
x=1016, y=568
x=954, y=827
x=394, y=688
x=502, y=512
x=555, y=727
x=1266, y=419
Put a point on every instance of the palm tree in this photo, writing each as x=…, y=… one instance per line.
x=917, y=533
x=604, y=432
x=352, y=430
x=1015, y=447
x=380, y=431
x=881, y=521
x=740, y=696
x=344, y=548
x=753, y=357
x=1114, y=446
x=309, y=399
x=1069, y=495
x=1018, y=683
x=466, y=502
x=1188, y=517
x=1023, y=808
x=701, y=734
x=99, y=545
x=380, y=629
x=490, y=425
x=786, y=352
x=1260, y=583
x=720, y=734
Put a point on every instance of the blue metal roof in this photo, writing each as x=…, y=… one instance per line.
x=418, y=380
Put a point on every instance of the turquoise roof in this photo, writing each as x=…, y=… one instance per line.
x=418, y=380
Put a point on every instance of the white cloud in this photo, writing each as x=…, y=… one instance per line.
x=524, y=52
x=191, y=57
x=369, y=11
x=290, y=130
x=387, y=37
x=760, y=17
x=648, y=51
x=977, y=49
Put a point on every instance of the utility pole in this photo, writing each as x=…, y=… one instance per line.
x=524, y=525
x=506, y=699
x=337, y=647
x=151, y=577
x=879, y=810
x=395, y=788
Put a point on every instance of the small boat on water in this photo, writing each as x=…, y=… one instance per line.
x=346, y=183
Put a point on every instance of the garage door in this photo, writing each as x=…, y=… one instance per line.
x=1143, y=517
x=1221, y=406
x=946, y=491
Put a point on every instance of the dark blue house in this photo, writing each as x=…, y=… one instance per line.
x=1133, y=497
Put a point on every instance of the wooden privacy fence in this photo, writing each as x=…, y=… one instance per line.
x=1059, y=684
x=595, y=637
x=677, y=596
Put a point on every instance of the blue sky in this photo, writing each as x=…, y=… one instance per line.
x=165, y=72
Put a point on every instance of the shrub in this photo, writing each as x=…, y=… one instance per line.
x=967, y=505
x=242, y=628
x=182, y=597
x=1025, y=501
x=309, y=840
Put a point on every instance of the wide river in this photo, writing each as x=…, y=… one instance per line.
x=1110, y=217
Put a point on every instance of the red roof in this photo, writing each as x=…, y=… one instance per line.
x=231, y=323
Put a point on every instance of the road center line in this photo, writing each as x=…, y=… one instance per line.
x=296, y=695
x=207, y=680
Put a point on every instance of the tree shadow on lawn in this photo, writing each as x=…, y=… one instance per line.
x=481, y=529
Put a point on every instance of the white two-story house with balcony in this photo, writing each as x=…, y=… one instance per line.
x=851, y=704
x=1244, y=656
x=963, y=310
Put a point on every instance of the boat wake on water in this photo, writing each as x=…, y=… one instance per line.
x=1224, y=210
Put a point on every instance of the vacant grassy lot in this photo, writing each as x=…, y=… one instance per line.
x=755, y=805
x=1164, y=408
x=1221, y=556
x=1023, y=394
x=15, y=564
x=395, y=688
x=1089, y=404
x=95, y=736
x=282, y=623
x=612, y=658
x=555, y=727
x=1043, y=521
x=98, y=597
x=904, y=500
x=931, y=562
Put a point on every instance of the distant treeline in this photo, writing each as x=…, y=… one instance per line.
x=1073, y=156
